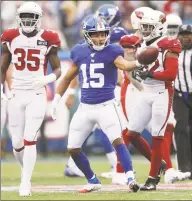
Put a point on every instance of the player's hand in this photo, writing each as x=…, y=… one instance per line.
x=70, y=101
x=54, y=112
x=135, y=75
x=42, y=81
x=144, y=74
x=138, y=64
x=54, y=105
x=3, y=96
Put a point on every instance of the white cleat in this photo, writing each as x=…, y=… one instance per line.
x=90, y=188
x=119, y=179
x=73, y=172
x=25, y=190
x=108, y=175
x=172, y=175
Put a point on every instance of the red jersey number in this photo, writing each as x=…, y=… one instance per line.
x=31, y=56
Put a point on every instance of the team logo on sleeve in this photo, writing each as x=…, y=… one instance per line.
x=40, y=42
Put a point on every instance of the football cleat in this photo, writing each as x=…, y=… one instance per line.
x=133, y=186
x=25, y=189
x=93, y=185
x=108, y=175
x=161, y=171
x=73, y=172
x=172, y=175
x=119, y=179
x=150, y=185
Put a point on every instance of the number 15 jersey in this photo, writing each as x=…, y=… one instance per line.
x=29, y=55
x=97, y=72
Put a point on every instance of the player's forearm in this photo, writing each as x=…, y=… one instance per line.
x=57, y=72
x=129, y=65
x=2, y=77
x=170, y=72
x=63, y=86
x=125, y=65
x=167, y=75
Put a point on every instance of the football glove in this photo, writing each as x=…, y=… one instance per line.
x=42, y=81
x=142, y=74
x=54, y=106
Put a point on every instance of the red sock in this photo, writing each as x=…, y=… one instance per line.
x=119, y=168
x=140, y=144
x=167, y=145
x=125, y=138
x=157, y=155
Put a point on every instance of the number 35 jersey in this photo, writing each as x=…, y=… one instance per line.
x=97, y=72
x=29, y=55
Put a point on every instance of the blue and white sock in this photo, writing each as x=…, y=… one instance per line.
x=124, y=157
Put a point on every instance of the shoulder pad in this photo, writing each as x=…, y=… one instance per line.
x=9, y=34
x=171, y=45
x=51, y=37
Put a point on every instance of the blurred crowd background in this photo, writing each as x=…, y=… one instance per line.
x=65, y=17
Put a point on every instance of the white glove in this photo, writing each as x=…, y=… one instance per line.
x=3, y=96
x=54, y=106
x=42, y=81
x=138, y=64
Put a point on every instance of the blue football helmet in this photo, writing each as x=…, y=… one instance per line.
x=110, y=13
x=117, y=33
x=95, y=25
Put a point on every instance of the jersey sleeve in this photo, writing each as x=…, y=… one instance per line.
x=8, y=36
x=52, y=39
x=117, y=50
x=170, y=45
x=74, y=54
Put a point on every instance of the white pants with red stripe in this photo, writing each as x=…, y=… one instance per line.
x=148, y=110
x=107, y=115
x=151, y=105
x=26, y=111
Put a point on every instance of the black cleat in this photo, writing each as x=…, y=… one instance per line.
x=161, y=171
x=133, y=186
x=150, y=185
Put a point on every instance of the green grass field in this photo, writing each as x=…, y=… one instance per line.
x=50, y=173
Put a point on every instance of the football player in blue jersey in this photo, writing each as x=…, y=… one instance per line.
x=110, y=13
x=96, y=62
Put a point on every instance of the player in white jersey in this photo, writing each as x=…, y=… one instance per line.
x=28, y=48
x=171, y=175
x=156, y=99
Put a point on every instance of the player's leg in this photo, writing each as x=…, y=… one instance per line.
x=113, y=127
x=109, y=151
x=139, y=117
x=161, y=107
x=16, y=123
x=127, y=102
x=80, y=127
x=34, y=115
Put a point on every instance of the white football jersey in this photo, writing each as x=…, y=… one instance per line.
x=157, y=66
x=29, y=55
x=164, y=45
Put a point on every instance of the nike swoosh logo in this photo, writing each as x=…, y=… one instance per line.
x=38, y=93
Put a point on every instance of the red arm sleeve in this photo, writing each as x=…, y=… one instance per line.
x=170, y=72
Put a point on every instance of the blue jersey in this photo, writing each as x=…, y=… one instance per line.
x=97, y=72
